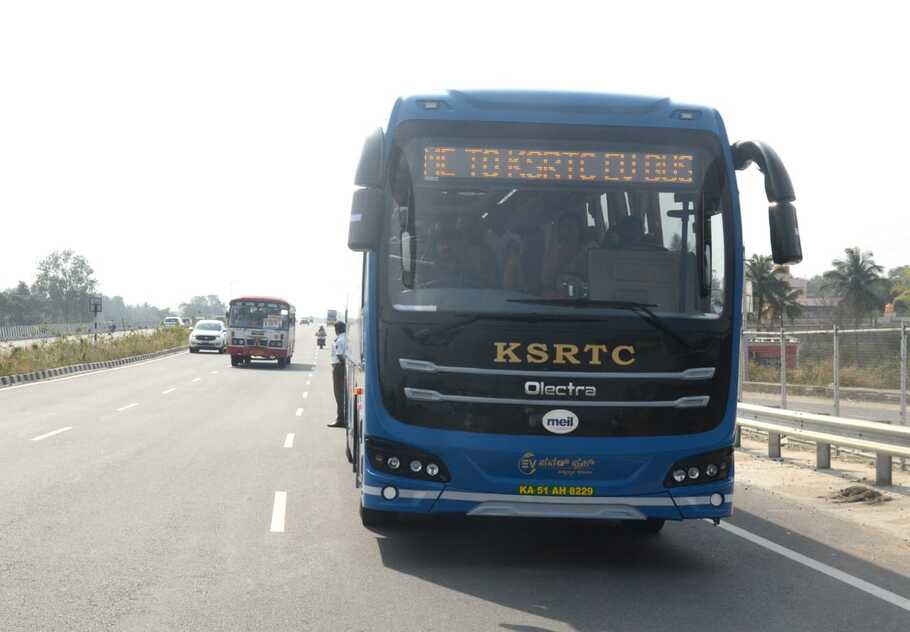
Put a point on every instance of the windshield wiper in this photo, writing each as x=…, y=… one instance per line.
x=642, y=309
x=425, y=334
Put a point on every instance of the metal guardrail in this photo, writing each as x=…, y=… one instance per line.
x=885, y=440
x=29, y=332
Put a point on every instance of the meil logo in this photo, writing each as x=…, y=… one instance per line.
x=560, y=421
x=543, y=353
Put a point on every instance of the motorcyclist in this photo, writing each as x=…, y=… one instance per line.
x=320, y=337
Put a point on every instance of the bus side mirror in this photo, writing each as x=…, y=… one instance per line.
x=786, y=246
x=369, y=169
x=366, y=219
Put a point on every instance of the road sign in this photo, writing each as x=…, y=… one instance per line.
x=94, y=303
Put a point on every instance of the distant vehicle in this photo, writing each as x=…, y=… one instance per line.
x=208, y=334
x=765, y=350
x=186, y=322
x=331, y=317
x=260, y=327
x=306, y=320
x=171, y=321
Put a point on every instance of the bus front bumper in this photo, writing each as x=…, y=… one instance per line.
x=387, y=493
x=267, y=353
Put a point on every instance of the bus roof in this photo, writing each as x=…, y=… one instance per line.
x=260, y=299
x=554, y=107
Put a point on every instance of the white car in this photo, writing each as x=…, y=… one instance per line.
x=171, y=321
x=208, y=334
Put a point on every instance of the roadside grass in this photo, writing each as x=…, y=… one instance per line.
x=66, y=351
x=884, y=375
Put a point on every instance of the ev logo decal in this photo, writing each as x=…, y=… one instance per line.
x=560, y=421
x=527, y=464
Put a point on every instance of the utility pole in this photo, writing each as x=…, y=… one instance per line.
x=95, y=307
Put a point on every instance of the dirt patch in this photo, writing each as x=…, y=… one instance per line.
x=845, y=491
x=858, y=494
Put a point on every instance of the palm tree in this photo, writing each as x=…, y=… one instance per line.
x=784, y=302
x=856, y=280
x=765, y=285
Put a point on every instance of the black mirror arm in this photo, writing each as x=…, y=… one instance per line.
x=786, y=246
x=778, y=187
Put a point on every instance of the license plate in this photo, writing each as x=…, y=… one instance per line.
x=555, y=490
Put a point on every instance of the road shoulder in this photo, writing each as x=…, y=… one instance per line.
x=794, y=496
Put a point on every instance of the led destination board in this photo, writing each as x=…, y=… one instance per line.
x=492, y=163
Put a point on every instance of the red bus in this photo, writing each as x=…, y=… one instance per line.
x=261, y=327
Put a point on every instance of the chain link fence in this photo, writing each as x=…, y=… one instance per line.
x=856, y=373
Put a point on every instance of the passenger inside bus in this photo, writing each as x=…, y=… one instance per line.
x=459, y=257
x=565, y=264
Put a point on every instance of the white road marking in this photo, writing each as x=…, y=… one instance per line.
x=51, y=434
x=830, y=571
x=89, y=373
x=127, y=407
x=289, y=440
x=170, y=390
x=299, y=412
x=214, y=372
x=281, y=501
x=196, y=379
x=305, y=395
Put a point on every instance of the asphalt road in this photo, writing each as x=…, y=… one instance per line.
x=156, y=510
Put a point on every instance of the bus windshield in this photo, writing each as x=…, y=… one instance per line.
x=491, y=228
x=259, y=315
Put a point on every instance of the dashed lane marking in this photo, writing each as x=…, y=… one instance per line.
x=127, y=407
x=289, y=440
x=305, y=395
x=278, y=510
x=52, y=433
x=196, y=379
x=170, y=390
x=298, y=412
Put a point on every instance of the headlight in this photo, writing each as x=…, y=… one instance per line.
x=403, y=460
x=701, y=468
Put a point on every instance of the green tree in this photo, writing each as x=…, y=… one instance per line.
x=18, y=306
x=815, y=285
x=856, y=280
x=784, y=302
x=203, y=307
x=900, y=289
x=765, y=285
x=64, y=282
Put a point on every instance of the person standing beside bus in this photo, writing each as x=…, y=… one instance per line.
x=338, y=373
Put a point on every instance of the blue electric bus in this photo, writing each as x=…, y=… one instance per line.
x=546, y=318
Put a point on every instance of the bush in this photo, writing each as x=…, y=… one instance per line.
x=66, y=351
x=817, y=373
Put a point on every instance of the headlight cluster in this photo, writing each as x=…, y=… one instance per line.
x=701, y=468
x=403, y=460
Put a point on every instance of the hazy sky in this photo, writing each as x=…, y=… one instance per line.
x=195, y=147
